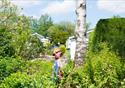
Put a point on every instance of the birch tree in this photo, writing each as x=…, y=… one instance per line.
x=80, y=31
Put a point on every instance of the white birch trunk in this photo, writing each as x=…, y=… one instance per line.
x=80, y=31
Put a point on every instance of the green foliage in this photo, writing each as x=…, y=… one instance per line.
x=104, y=68
x=62, y=48
x=35, y=74
x=38, y=66
x=8, y=14
x=46, y=28
x=15, y=33
x=59, y=33
x=44, y=23
x=40, y=73
x=111, y=31
x=67, y=26
x=10, y=65
x=56, y=35
x=74, y=77
x=101, y=70
x=123, y=83
x=21, y=35
x=33, y=48
x=46, y=49
x=7, y=23
x=16, y=39
x=6, y=48
x=17, y=80
x=42, y=81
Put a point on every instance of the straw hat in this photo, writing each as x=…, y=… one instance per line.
x=56, y=50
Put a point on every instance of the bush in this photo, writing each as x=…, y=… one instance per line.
x=101, y=70
x=22, y=80
x=75, y=78
x=10, y=65
x=17, y=80
x=111, y=31
x=46, y=49
x=6, y=48
x=32, y=48
x=41, y=80
x=38, y=66
x=104, y=68
x=35, y=74
x=62, y=48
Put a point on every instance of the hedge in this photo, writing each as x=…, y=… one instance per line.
x=112, y=31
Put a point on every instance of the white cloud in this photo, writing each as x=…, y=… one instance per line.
x=57, y=7
x=116, y=6
x=25, y=3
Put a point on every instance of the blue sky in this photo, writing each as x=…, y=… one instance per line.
x=64, y=10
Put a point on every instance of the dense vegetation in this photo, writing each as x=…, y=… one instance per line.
x=103, y=67
x=111, y=31
x=16, y=33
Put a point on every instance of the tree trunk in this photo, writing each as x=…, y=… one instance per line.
x=80, y=31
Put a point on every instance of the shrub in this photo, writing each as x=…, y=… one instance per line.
x=40, y=73
x=6, y=48
x=35, y=74
x=38, y=66
x=101, y=70
x=62, y=48
x=46, y=49
x=32, y=48
x=17, y=80
x=41, y=80
x=104, y=68
x=10, y=65
x=111, y=31
x=75, y=78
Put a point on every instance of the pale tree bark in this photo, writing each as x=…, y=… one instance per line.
x=80, y=31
